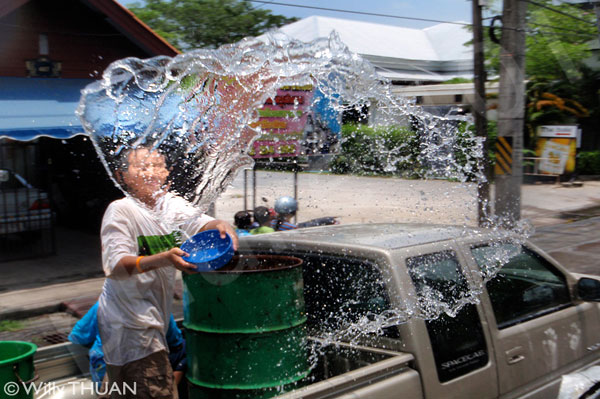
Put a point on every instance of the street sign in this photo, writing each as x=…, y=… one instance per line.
x=298, y=121
x=557, y=147
x=558, y=131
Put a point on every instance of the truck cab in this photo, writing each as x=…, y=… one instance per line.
x=507, y=320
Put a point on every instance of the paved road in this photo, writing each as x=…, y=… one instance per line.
x=575, y=245
x=375, y=199
x=354, y=200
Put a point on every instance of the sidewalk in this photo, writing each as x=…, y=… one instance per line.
x=553, y=209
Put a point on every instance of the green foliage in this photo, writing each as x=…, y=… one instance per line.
x=561, y=89
x=457, y=80
x=561, y=102
x=11, y=325
x=191, y=24
x=376, y=151
x=464, y=147
x=556, y=44
x=588, y=163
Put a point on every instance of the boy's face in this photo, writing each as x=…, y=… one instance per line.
x=147, y=173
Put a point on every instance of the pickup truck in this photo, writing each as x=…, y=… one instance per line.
x=513, y=335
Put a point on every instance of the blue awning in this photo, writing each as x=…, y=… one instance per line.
x=33, y=107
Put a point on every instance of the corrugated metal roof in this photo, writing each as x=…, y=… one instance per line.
x=449, y=40
x=443, y=42
x=436, y=53
x=120, y=17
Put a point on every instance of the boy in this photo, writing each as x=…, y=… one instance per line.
x=286, y=208
x=139, y=256
x=262, y=216
x=243, y=222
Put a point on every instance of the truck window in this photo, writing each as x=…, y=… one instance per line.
x=457, y=342
x=527, y=286
x=340, y=291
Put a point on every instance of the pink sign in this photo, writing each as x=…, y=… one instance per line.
x=282, y=123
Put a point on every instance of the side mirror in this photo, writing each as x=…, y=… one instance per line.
x=4, y=175
x=588, y=289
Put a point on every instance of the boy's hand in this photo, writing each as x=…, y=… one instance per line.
x=174, y=255
x=224, y=228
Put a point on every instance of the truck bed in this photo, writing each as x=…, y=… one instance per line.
x=350, y=371
x=342, y=371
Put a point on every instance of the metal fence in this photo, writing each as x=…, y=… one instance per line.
x=26, y=214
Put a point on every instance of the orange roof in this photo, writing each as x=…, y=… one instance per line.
x=133, y=27
x=121, y=18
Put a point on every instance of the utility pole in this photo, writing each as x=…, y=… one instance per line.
x=479, y=110
x=511, y=111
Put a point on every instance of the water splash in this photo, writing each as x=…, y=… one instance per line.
x=196, y=109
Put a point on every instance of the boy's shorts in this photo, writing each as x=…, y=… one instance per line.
x=152, y=376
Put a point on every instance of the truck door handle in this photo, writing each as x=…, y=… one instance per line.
x=514, y=355
x=515, y=359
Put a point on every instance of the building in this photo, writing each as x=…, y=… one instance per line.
x=405, y=56
x=49, y=51
x=440, y=99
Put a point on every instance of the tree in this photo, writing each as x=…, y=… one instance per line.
x=191, y=24
x=556, y=42
x=561, y=88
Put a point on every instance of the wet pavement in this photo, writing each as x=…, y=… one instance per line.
x=576, y=245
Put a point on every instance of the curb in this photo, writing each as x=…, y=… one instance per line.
x=27, y=312
x=48, y=299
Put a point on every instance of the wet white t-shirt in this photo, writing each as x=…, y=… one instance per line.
x=134, y=310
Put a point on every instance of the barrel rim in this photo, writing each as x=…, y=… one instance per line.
x=297, y=262
x=32, y=348
x=260, y=330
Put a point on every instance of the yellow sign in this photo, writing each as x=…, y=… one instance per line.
x=558, y=155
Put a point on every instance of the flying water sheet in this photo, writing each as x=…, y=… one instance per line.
x=196, y=108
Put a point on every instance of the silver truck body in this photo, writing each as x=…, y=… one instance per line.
x=525, y=329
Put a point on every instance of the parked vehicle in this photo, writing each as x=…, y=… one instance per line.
x=23, y=208
x=527, y=327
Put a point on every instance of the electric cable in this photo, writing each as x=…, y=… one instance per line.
x=565, y=29
x=361, y=13
x=404, y=17
x=535, y=3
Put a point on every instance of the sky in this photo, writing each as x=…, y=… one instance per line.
x=444, y=10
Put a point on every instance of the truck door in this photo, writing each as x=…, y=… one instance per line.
x=539, y=333
x=456, y=358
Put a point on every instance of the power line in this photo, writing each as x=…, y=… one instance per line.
x=360, y=12
x=558, y=11
x=262, y=5
x=565, y=29
x=559, y=33
x=401, y=17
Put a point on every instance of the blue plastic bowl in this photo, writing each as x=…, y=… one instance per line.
x=208, y=251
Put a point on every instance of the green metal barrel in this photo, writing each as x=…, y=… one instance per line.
x=245, y=327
